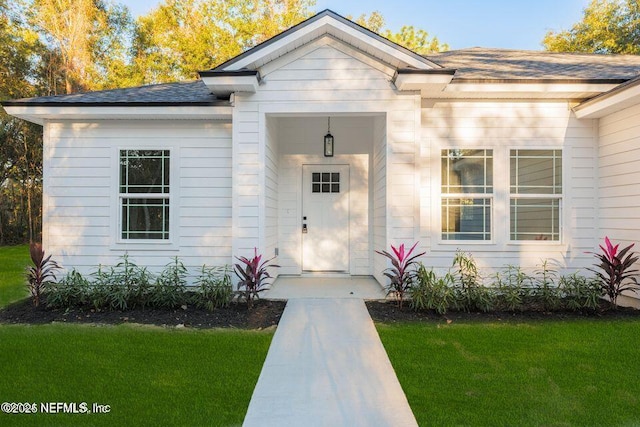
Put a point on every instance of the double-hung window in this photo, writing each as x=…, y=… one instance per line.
x=535, y=194
x=144, y=194
x=467, y=194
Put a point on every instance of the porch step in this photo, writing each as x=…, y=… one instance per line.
x=360, y=287
x=327, y=367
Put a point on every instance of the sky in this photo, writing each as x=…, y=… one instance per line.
x=510, y=24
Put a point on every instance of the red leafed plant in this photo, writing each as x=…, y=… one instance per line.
x=614, y=271
x=41, y=273
x=401, y=274
x=253, y=275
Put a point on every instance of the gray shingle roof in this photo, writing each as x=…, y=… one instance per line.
x=470, y=64
x=507, y=64
x=182, y=93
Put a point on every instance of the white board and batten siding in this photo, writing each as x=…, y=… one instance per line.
x=325, y=78
x=81, y=206
x=501, y=126
x=619, y=174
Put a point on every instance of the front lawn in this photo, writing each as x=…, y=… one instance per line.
x=13, y=263
x=581, y=372
x=147, y=375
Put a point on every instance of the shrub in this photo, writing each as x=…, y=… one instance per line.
x=431, y=292
x=253, y=276
x=99, y=290
x=170, y=288
x=472, y=295
x=129, y=285
x=579, y=292
x=512, y=287
x=41, y=273
x=614, y=270
x=545, y=289
x=401, y=273
x=72, y=290
x=214, y=288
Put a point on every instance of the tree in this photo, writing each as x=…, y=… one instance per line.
x=182, y=37
x=87, y=39
x=417, y=40
x=607, y=26
x=20, y=142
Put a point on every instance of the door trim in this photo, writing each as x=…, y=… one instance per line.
x=345, y=181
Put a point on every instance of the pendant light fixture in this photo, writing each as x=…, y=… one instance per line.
x=328, y=140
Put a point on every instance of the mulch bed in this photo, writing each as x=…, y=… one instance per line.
x=388, y=312
x=266, y=314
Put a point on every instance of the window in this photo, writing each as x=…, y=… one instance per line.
x=467, y=194
x=325, y=182
x=144, y=194
x=535, y=194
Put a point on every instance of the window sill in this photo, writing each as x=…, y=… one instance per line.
x=145, y=245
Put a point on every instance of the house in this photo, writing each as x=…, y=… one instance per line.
x=328, y=142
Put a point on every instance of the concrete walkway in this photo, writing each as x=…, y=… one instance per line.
x=327, y=367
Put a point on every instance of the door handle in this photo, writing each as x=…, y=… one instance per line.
x=304, y=228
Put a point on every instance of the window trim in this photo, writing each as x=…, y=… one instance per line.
x=557, y=196
x=117, y=241
x=431, y=219
x=441, y=196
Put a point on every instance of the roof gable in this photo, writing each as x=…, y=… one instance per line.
x=329, y=23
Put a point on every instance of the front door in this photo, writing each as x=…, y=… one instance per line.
x=325, y=218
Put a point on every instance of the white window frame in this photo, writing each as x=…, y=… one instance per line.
x=117, y=241
x=552, y=196
x=490, y=196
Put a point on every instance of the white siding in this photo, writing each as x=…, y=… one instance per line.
x=501, y=126
x=327, y=79
x=379, y=196
x=81, y=185
x=271, y=190
x=619, y=192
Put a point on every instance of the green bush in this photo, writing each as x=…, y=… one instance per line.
x=430, y=292
x=214, y=288
x=545, y=289
x=471, y=293
x=513, y=288
x=121, y=287
x=170, y=288
x=126, y=286
x=580, y=293
x=71, y=290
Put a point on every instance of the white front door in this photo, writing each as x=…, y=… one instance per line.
x=325, y=218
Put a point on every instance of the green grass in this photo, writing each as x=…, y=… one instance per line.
x=552, y=373
x=13, y=262
x=148, y=375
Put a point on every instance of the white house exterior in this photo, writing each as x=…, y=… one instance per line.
x=513, y=156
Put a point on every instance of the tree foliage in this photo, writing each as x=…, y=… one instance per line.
x=89, y=39
x=607, y=26
x=182, y=37
x=51, y=47
x=417, y=40
x=20, y=142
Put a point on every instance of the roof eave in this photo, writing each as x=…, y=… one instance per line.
x=40, y=113
x=620, y=97
x=425, y=81
x=223, y=83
